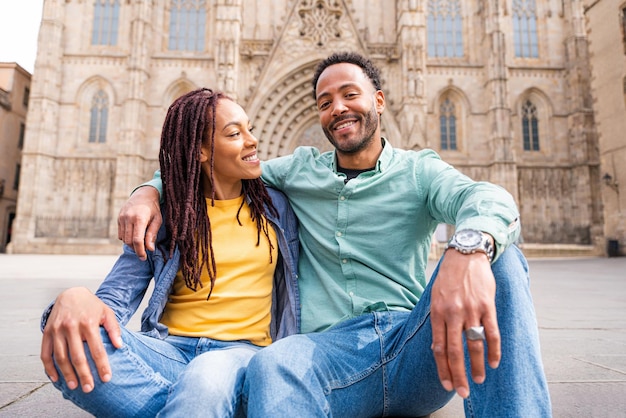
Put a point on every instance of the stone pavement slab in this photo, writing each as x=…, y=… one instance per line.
x=580, y=303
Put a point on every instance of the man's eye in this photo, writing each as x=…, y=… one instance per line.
x=323, y=105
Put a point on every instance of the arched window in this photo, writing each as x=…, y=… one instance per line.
x=530, y=126
x=187, y=25
x=105, y=22
x=445, y=28
x=525, y=28
x=447, y=125
x=99, y=114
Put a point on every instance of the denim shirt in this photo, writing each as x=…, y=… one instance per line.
x=125, y=286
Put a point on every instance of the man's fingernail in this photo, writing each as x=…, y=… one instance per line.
x=87, y=388
x=463, y=392
x=447, y=385
x=106, y=377
x=71, y=384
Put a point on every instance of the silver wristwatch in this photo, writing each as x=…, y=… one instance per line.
x=469, y=241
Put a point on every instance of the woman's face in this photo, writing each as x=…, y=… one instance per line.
x=235, y=156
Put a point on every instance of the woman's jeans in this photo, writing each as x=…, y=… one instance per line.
x=381, y=364
x=178, y=376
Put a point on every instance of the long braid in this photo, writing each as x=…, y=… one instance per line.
x=190, y=123
x=259, y=199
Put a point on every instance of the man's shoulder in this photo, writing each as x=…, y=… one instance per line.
x=311, y=153
x=416, y=154
x=300, y=157
x=419, y=159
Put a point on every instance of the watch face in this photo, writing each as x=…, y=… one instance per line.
x=468, y=238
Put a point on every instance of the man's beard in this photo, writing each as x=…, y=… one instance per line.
x=369, y=123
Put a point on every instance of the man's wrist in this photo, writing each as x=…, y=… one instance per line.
x=470, y=241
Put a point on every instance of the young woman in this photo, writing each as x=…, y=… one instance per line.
x=225, y=282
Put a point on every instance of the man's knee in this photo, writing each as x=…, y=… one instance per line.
x=511, y=263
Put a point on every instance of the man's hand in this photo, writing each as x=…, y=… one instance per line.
x=139, y=220
x=463, y=296
x=76, y=317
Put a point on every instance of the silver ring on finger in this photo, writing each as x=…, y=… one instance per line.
x=475, y=333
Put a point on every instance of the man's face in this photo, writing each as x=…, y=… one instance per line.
x=349, y=107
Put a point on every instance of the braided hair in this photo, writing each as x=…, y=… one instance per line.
x=190, y=124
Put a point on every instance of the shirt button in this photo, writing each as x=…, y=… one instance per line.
x=339, y=234
x=344, y=261
x=351, y=293
x=342, y=198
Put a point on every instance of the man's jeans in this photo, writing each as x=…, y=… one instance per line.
x=381, y=364
x=178, y=376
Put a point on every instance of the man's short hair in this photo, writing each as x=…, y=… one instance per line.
x=368, y=67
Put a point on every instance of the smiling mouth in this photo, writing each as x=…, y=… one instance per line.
x=342, y=125
x=251, y=158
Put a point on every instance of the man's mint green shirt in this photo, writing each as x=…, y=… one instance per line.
x=365, y=243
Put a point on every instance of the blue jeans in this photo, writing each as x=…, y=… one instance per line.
x=381, y=364
x=178, y=376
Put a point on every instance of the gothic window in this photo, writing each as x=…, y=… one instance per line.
x=98, y=117
x=16, y=179
x=105, y=22
x=447, y=125
x=26, y=96
x=187, y=25
x=530, y=126
x=20, y=141
x=445, y=28
x=525, y=28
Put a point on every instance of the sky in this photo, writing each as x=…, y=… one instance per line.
x=18, y=32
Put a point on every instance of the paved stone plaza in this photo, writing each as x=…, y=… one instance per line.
x=581, y=308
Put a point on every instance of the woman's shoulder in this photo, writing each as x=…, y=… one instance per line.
x=281, y=203
x=276, y=194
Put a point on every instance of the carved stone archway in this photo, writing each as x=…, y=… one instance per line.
x=285, y=111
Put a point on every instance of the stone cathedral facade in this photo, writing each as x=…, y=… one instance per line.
x=500, y=88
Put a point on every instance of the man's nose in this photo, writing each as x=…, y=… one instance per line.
x=338, y=108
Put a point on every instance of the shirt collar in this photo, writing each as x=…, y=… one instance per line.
x=383, y=160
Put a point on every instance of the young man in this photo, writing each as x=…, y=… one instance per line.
x=377, y=340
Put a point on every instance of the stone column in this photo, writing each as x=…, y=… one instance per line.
x=412, y=41
x=42, y=124
x=228, y=32
x=132, y=137
x=582, y=133
x=503, y=169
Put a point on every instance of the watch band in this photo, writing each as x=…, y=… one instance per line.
x=469, y=241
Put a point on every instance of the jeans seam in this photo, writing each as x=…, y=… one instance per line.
x=397, y=352
x=385, y=382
